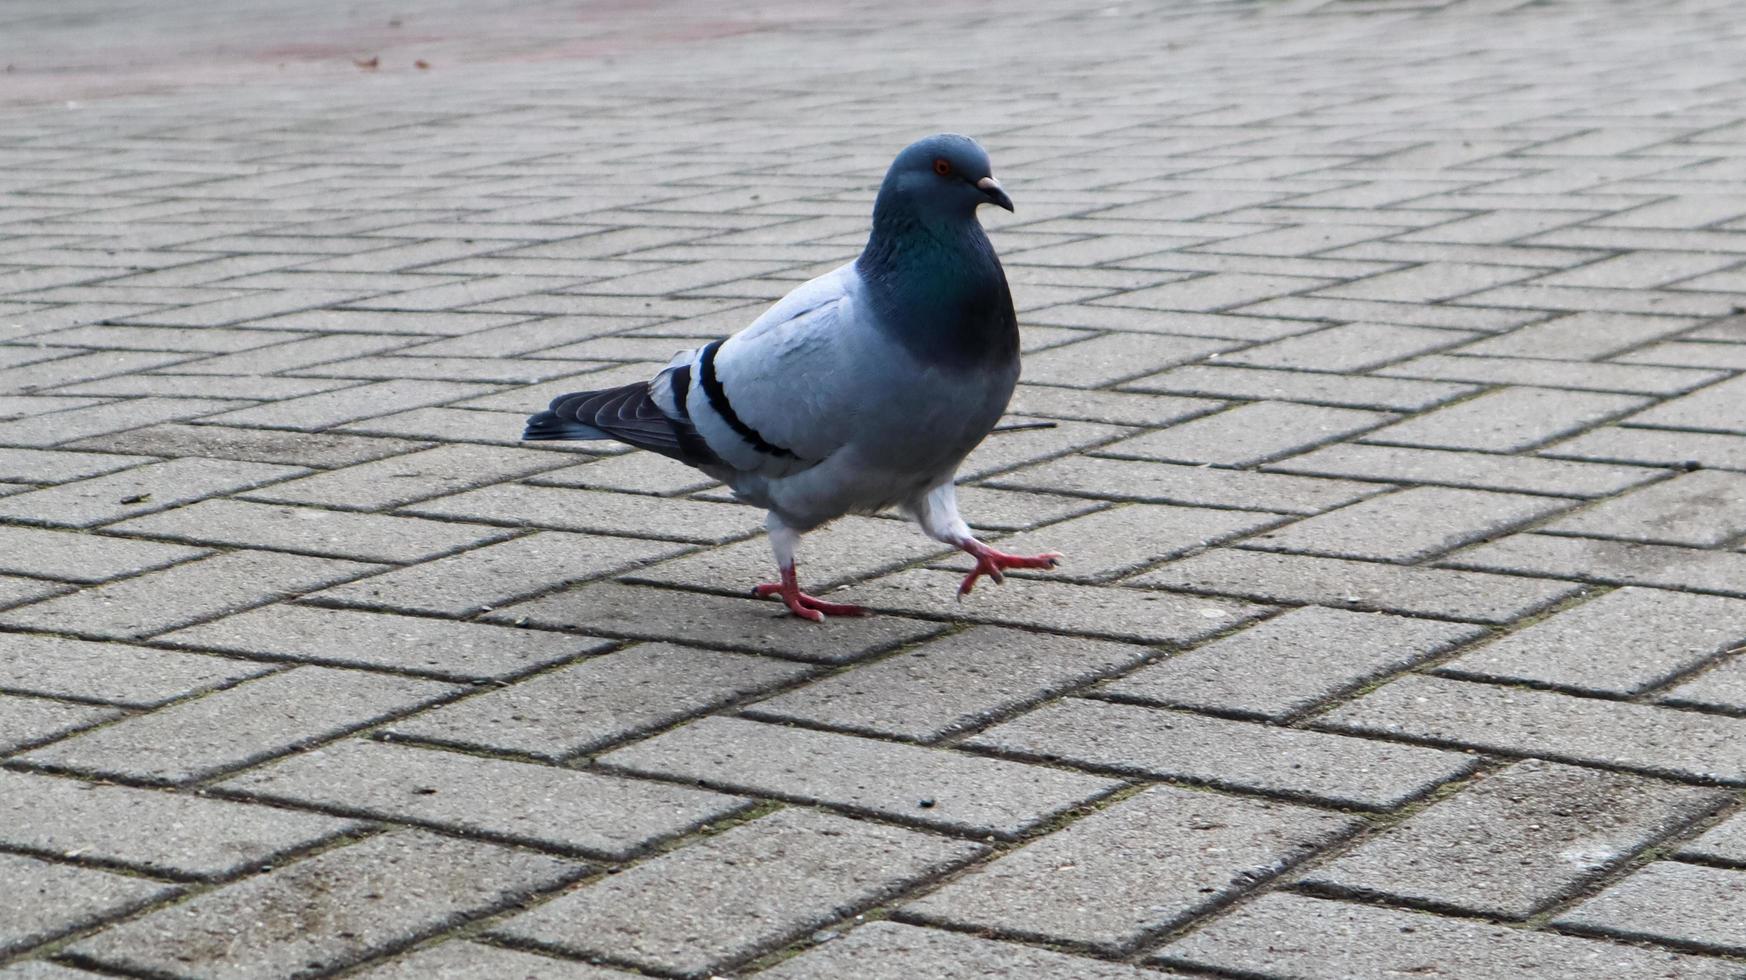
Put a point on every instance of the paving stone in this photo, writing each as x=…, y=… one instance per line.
x=1408, y=525
x=140, y=490
x=83, y=367
x=28, y=721
x=1218, y=291
x=1507, y=419
x=1578, y=375
x=1106, y=882
x=152, y=831
x=1116, y=613
x=309, y=530
x=724, y=899
x=1121, y=540
x=1669, y=902
x=83, y=557
x=458, y=959
x=971, y=795
x=1115, y=357
x=1289, y=935
x=1290, y=663
x=988, y=509
x=296, y=354
x=1479, y=471
x=1435, y=592
x=158, y=601
x=1702, y=509
x=1191, y=486
x=599, y=816
x=1248, y=434
x=484, y=578
x=1640, y=738
x=1306, y=765
x=62, y=427
x=1316, y=388
x=315, y=412
x=1611, y=562
x=414, y=476
x=1720, y=407
x=1352, y=347
x=1429, y=282
x=349, y=638
x=1621, y=643
x=849, y=549
x=1723, y=687
x=558, y=508
x=114, y=673
x=756, y=625
x=1725, y=843
x=61, y=466
x=325, y=449
x=1012, y=448
x=1581, y=335
x=950, y=684
x=1517, y=841
x=1109, y=407
x=247, y=723
x=326, y=912
x=43, y=900
x=607, y=699
x=894, y=951
x=16, y=591
x=630, y=473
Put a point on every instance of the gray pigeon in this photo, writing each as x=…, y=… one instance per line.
x=858, y=391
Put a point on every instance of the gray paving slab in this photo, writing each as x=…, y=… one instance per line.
x=481, y=579
x=517, y=802
x=410, y=644
x=44, y=900
x=705, y=908
x=1283, y=935
x=111, y=673
x=1415, y=590
x=85, y=558
x=602, y=700
x=28, y=721
x=153, y=831
x=1702, y=509
x=1408, y=525
x=246, y=723
x=1100, y=883
x=311, y=530
x=1514, y=842
x=156, y=602
x=1622, y=643
x=1314, y=766
x=1290, y=663
x=1669, y=902
x=950, y=684
x=140, y=490
x=1479, y=471
x=330, y=910
x=931, y=787
x=1546, y=724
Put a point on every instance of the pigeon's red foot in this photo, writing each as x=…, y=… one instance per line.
x=993, y=563
x=803, y=605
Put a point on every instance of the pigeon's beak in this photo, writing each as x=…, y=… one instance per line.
x=996, y=193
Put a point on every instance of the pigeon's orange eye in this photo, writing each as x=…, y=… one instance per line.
x=942, y=167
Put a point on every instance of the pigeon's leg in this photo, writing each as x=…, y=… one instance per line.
x=782, y=541
x=937, y=512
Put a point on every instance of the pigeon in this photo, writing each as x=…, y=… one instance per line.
x=860, y=391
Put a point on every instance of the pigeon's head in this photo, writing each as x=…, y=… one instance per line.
x=946, y=175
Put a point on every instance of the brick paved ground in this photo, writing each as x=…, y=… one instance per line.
x=1395, y=354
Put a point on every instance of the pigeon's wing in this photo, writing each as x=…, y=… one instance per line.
x=771, y=399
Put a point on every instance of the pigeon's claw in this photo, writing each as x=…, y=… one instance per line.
x=993, y=563
x=805, y=606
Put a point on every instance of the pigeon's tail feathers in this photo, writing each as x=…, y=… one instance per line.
x=628, y=414
x=548, y=425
